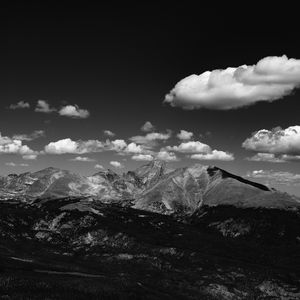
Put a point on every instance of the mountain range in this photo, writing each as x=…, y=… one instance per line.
x=153, y=187
x=197, y=232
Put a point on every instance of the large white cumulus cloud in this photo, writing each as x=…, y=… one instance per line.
x=277, y=141
x=270, y=79
x=10, y=145
x=73, y=147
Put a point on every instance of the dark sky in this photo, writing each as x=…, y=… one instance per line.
x=120, y=62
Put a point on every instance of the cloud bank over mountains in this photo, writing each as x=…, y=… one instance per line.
x=275, y=145
x=271, y=177
x=270, y=79
x=147, y=147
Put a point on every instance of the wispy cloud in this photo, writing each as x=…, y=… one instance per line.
x=142, y=157
x=20, y=105
x=266, y=157
x=29, y=137
x=271, y=177
x=109, y=133
x=12, y=164
x=43, y=106
x=82, y=159
x=98, y=166
x=150, y=139
x=214, y=155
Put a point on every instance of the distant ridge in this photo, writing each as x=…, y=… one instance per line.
x=153, y=187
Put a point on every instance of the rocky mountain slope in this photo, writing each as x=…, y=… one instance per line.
x=152, y=187
x=153, y=233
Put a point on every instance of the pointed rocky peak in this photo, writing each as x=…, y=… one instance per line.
x=152, y=172
x=108, y=174
x=155, y=166
x=217, y=172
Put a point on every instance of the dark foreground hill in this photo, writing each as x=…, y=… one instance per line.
x=153, y=233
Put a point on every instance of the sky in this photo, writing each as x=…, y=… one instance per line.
x=95, y=86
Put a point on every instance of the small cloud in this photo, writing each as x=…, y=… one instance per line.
x=12, y=164
x=116, y=145
x=44, y=107
x=142, y=157
x=73, y=111
x=266, y=157
x=271, y=177
x=30, y=156
x=109, y=133
x=166, y=156
x=116, y=164
x=294, y=158
x=191, y=147
x=147, y=127
x=214, y=155
x=29, y=137
x=184, y=135
x=97, y=166
x=134, y=148
x=150, y=139
x=82, y=158
x=20, y=105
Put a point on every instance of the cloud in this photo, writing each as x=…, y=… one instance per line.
x=29, y=137
x=150, y=139
x=142, y=157
x=123, y=148
x=295, y=158
x=267, y=157
x=30, y=156
x=276, y=141
x=10, y=145
x=184, y=135
x=97, y=166
x=116, y=145
x=44, y=107
x=271, y=177
x=191, y=147
x=82, y=158
x=73, y=111
x=109, y=133
x=20, y=105
x=74, y=147
x=201, y=151
x=147, y=127
x=214, y=155
x=270, y=79
x=116, y=164
x=12, y=164
x=134, y=148
x=166, y=156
